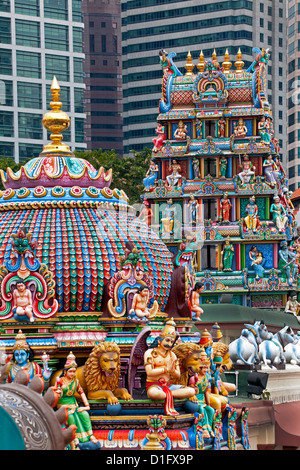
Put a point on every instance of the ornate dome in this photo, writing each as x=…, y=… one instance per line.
x=80, y=226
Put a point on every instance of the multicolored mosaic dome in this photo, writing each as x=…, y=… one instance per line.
x=81, y=226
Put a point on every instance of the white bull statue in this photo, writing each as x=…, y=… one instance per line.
x=244, y=350
x=271, y=351
x=292, y=351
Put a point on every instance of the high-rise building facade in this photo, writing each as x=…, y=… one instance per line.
x=293, y=94
x=103, y=74
x=39, y=39
x=151, y=25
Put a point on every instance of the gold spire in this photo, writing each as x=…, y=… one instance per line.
x=239, y=64
x=56, y=121
x=189, y=66
x=201, y=63
x=226, y=64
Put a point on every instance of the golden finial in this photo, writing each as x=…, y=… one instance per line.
x=56, y=121
x=239, y=64
x=189, y=66
x=226, y=64
x=214, y=59
x=201, y=63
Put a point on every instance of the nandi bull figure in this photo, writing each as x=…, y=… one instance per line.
x=271, y=351
x=244, y=350
x=292, y=351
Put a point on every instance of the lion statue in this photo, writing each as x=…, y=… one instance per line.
x=100, y=375
x=189, y=358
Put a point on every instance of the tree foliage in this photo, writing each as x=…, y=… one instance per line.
x=127, y=172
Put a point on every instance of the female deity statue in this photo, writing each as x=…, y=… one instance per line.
x=225, y=205
x=67, y=385
x=181, y=131
x=271, y=171
x=240, y=129
x=196, y=168
x=257, y=264
x=151, y=176
x=193, y=206
x=263, y=130
x=146, y=213
x=223, y=167
x=278, y=214
x=159, y=140
x=199, y=128
x=23, y=359
x=201, y=384
x=227, y=253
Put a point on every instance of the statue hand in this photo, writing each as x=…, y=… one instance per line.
x=46, y=373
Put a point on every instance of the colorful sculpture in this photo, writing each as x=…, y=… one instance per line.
x=225, y=206
x=247, y=174
x=271, y=350
x=227, y=253
x=244, y=350
x=68, y=386
x=292, y=305
x=161, y=137
x=251, y=220
x=278, y=214
x=240, y=129
x=162, y=368
x=271, y=171
x=151, y=175
x=175, y=176
x=196, y=310
x=22, y=359
x=181, y=131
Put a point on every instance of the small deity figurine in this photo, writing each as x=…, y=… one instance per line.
x=199, y=128
x=271, y=171
x=257, y=264
x=201, y=384
x=196, y=168
x=139, y=306
x=251, y=219
x=151, y=176
x=174, y=177
x=292, y=305
x=225, y=206
x=278, y=214
x=269, y=126
x=223, y=167
x=22, y=301
x=146, y=213
x=288, y=262
x=168, y=220
x=159, y=140
x=181, y=131
x=248, y=170
x=67, y=386
x=193, y=206
x=227, y=253
x=263, y=130
x=221, y=127
x=23, y=359
x=162, y=366
x=196, y=310
x=240, y=129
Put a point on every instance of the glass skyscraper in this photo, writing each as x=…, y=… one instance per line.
x=39, y=39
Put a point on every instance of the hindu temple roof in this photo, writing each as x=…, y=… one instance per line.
x=81, y=226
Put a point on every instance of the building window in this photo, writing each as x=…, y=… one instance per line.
x=78, y=69
x=115, y=44
x=56, y=37
x=76, y=10
x=5, y=6
x=77, y=39
x=78, y=100
x=28, y=33
x=292, y=172
x=29, y=95
x=7, y=149
x=30, y=126
x=27, y=7
x=103, y=43
x=92, y=43
x=57, y=9
x=79, y=130
x=6, y=93
x=29, y=64
x=57, y=65
x=5, y=33
x=6, y=124
x=27, y=151
x=291, y=155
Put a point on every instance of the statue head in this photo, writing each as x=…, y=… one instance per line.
x=21, y=350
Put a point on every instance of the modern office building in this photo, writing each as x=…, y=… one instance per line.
x=39, y=39
x=182, y=26
x=103, y=74
x=293, y=94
